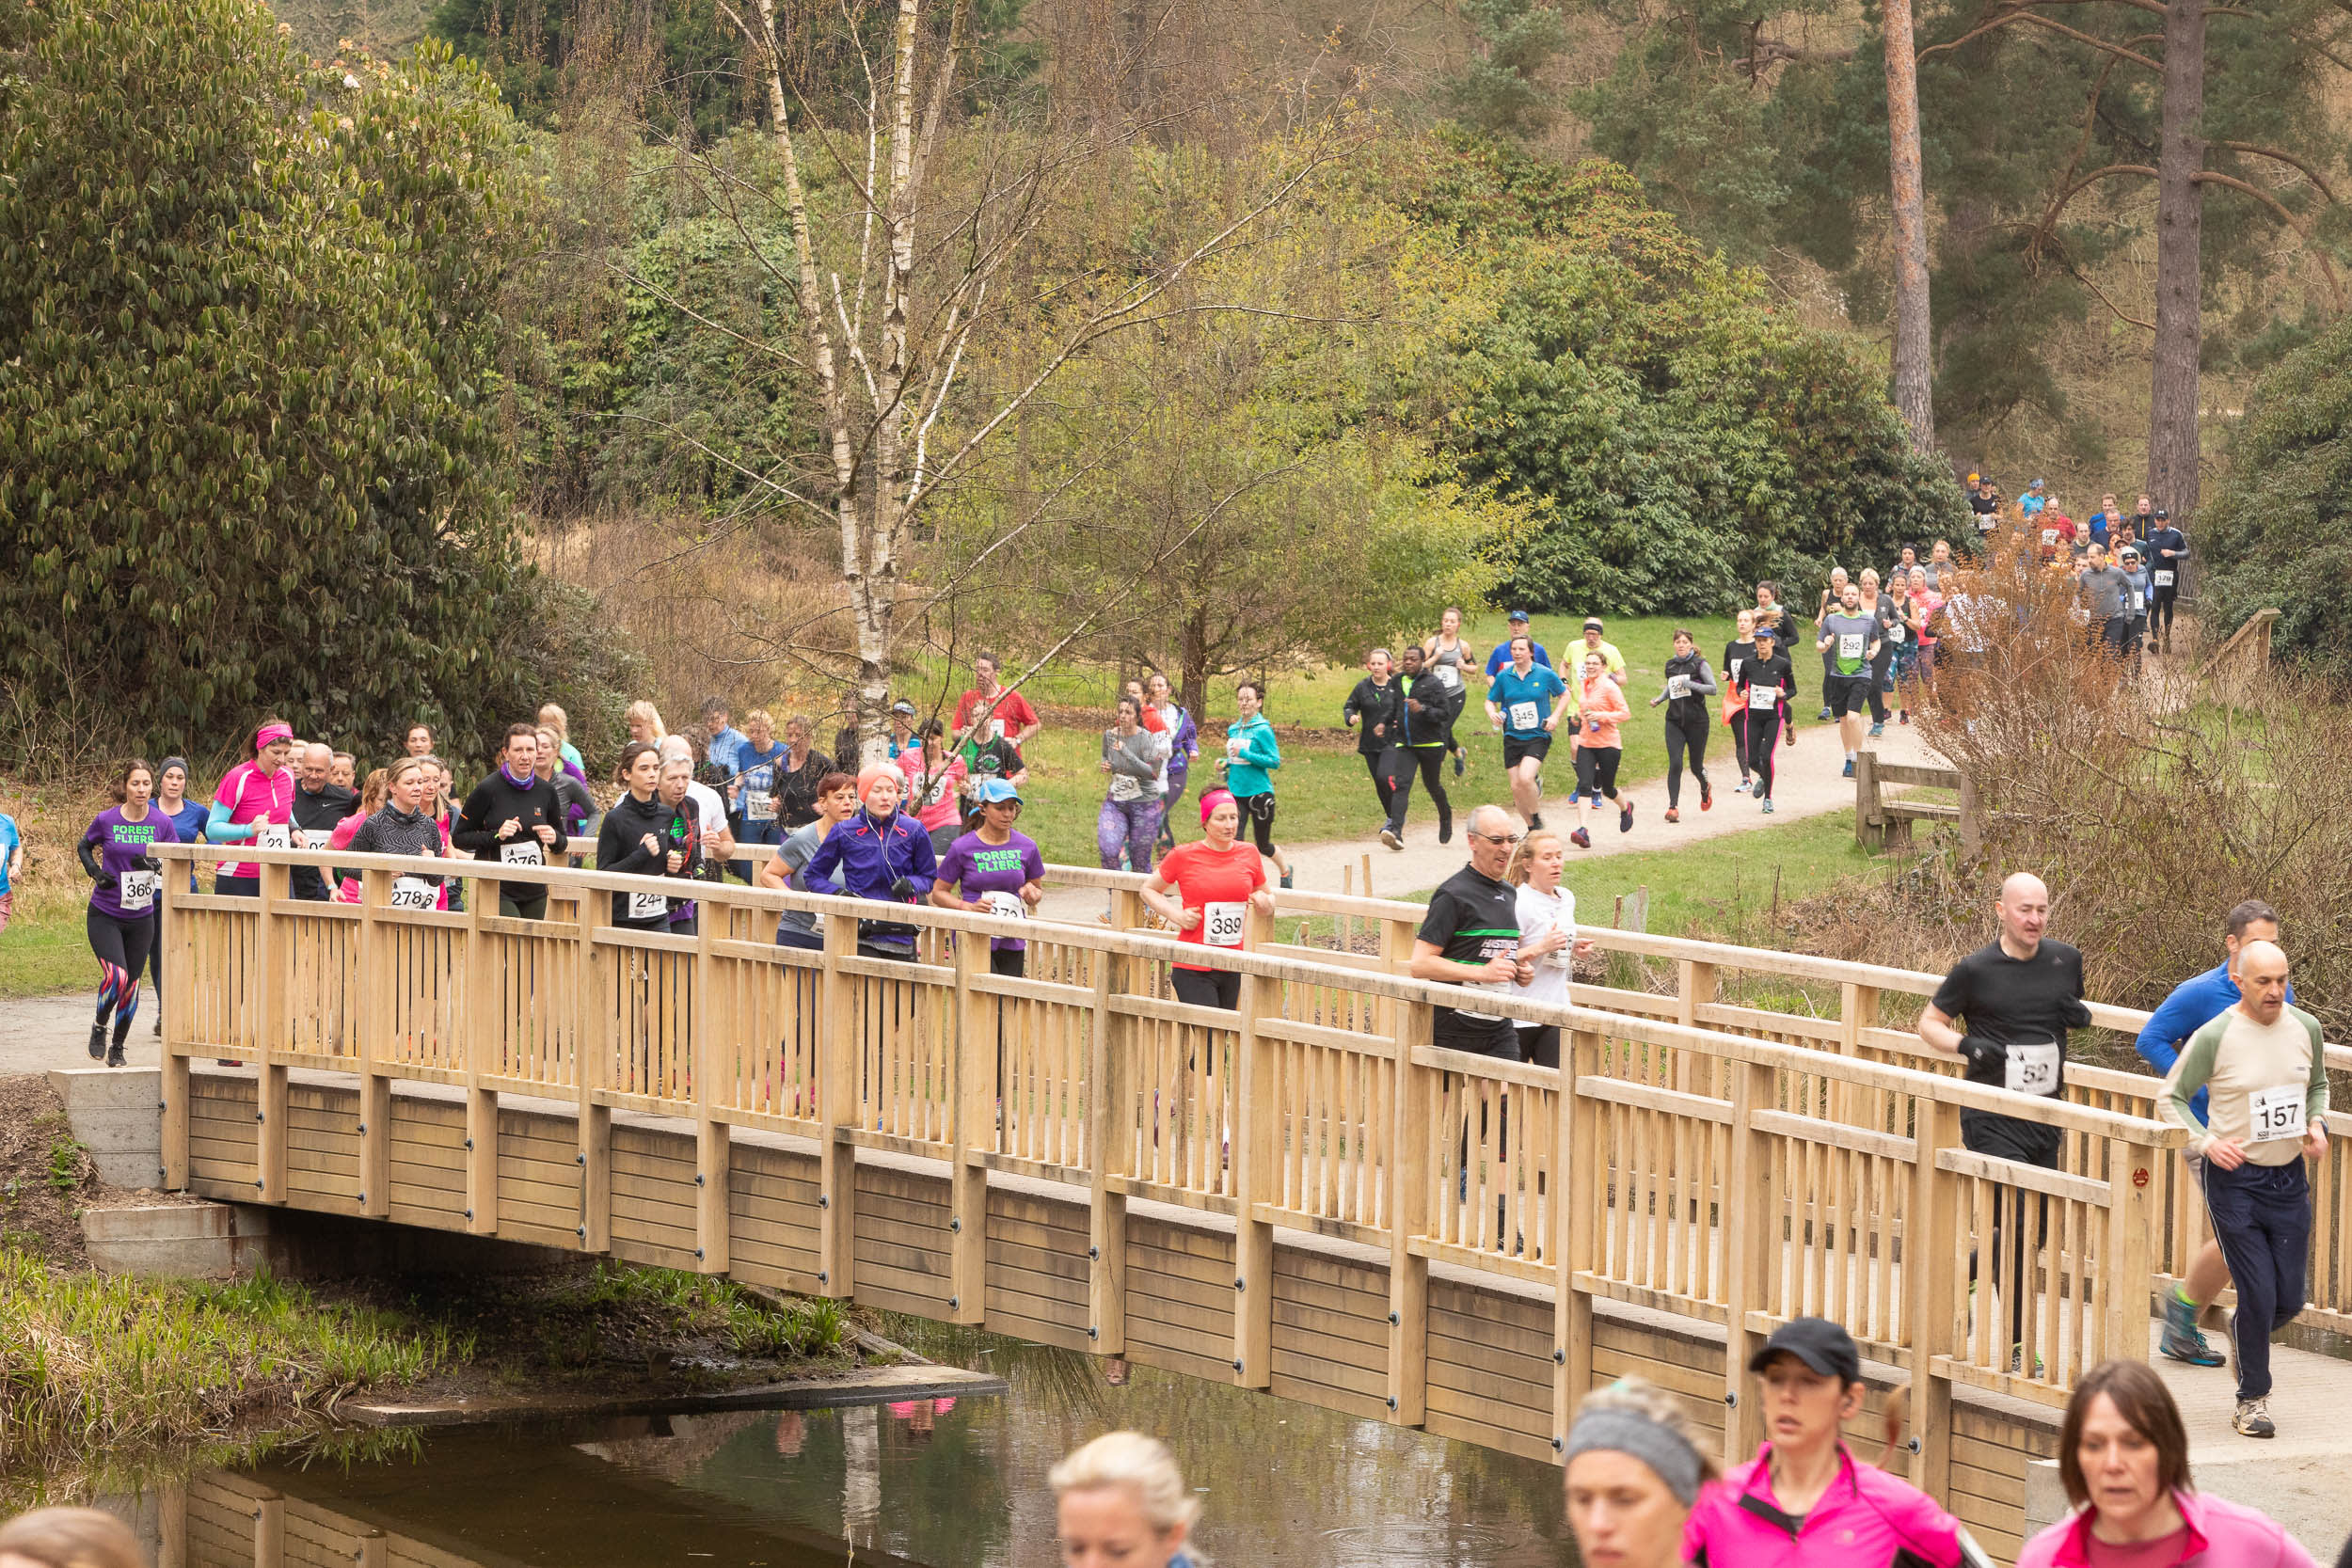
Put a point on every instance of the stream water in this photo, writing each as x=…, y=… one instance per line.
x=945, y=1484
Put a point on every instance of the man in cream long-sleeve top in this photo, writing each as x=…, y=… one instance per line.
x=2267, y=1081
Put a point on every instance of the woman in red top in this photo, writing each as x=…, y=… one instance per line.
x=1204, y=890
x=1600, y=747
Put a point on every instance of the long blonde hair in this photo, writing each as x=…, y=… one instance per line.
x=71, y=1538
x=645, y=710
x=1524, y=856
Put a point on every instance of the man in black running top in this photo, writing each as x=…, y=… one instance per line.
x=1470, y=937
x=2019, y=993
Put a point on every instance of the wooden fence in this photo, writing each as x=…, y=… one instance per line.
x=1881, y=820
x=1733, y=1160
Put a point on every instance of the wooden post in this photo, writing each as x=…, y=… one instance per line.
x=175, y=1086
x=1930, y=1280
x=1257, y=1095
x=1971, y=818
x=376, y=1012
x=713, y=1137
x=838, y=1044
x=973, y=1134
x=1694, y=987
x=1110, y=1133
x=269, y=1508
x=1753, y=1236
x=1857, y=1010
x=1409, y=1217
x=1574, y=1225
x=2134, y=1215
x=269, y=935
x=480, y=1023
x=171, y=1521
x=593, y=1025
x=374, y=1550
x=1869, y=827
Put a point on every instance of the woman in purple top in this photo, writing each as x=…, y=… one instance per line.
x=115, y=850
x=1184, y=750
x=995, y=870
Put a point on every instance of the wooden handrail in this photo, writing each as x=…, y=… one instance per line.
x=2256, y=629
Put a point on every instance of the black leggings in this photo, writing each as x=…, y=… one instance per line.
x=1207, y=988
x=1763, y=735
x=1397, y=765
x=1258, y=810
x=2160, y=611
x=1597, y=771
x=1739, y=740
x=1879, y=667
x=1690, y=732
x=1380, y=779
x=123, y=947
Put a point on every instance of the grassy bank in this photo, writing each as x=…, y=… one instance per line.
x=97, y=1370
x=91, y=1363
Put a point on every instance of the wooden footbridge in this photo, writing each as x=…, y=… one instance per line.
x=1302, y=1195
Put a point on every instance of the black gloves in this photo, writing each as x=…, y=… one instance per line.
x=2077, y=1015
x=1982, y=1054
x=903, y=888
x=148, y=863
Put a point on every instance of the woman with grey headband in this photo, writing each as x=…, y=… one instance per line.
x=1633, y=1473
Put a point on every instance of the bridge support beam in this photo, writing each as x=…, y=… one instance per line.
x=485, y=1042
x=592, y=1038
x=374, y=1017
x=713, y=1023
x=1574, y=1229
x=839, y=1042
x=269, y=1031
x=1409, y=1216
x=1110, y=1131
x=1751, y=1248
x=1930, y=1276
x=1257, y=1092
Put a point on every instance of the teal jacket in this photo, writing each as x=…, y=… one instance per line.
x=1260, y=755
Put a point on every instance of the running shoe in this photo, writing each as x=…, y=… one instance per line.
x=1825, y=714
x=1535, y=821
x=1878, y=729
x=2252, y=1420
x=1582, y=839
x=1768, y=805
x=1459, y=764
x=1672, y=815
x=97, y=1042
x=1387, y=837
x=115, y=1056
x=2183, y=1339
x=1625, y=818
x=1707, y=796
x=1746, y=784
x=1850, y=768
x=1906, y=716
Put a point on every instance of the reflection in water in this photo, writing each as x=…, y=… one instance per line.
x=946, y=1483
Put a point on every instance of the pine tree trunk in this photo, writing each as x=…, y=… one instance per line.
x=2180, y=230
x=1914, y=348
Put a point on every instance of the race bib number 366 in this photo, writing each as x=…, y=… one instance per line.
x=137, y=891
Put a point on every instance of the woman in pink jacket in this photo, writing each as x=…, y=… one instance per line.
x=1600, y=747
x=2124, y=1455
x=1803, y=1502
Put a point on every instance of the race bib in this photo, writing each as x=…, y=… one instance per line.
x=1763, y=698
x=412, y=893
x=273, y=835
x=2032, y=1068
x=1448, y=676
x=2049, y=537
x=758, y=806
x=1894, y=632
x=1987, y=522
x=996, y=728
x=1678, y=687
x=1735, y=665
x=2139, y=600
x=137, y=891
x=1523, y=717
x=1566, y=957
x=1221, y=925
x=1005, y=905
x=1125, y=788
x=2274, y=1114
x=317, y=838
x=2164, y=579
x=648, y=906
x=522, y=854
x=1849, y=644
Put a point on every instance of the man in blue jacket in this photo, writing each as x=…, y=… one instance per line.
x=883, y=854
x=2193, y=1005
x=1501, y=655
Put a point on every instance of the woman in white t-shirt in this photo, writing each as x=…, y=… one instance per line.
x=1548, y=937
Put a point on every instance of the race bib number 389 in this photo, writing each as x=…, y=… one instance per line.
x=1221, y=925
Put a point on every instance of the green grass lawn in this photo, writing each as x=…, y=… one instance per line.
x=44, y=950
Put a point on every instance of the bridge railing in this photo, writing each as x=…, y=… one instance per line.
x=1727, y=1163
